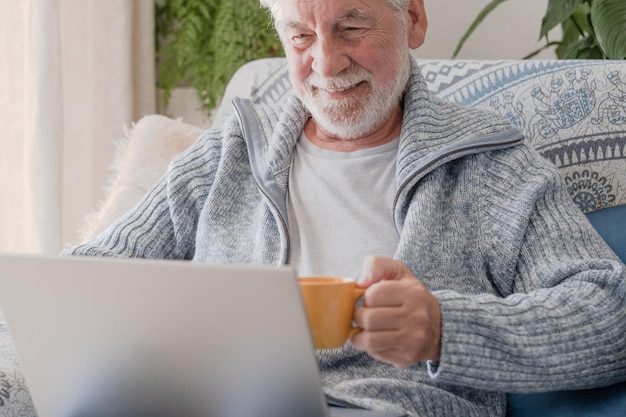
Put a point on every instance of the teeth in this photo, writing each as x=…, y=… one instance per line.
x=339, y=89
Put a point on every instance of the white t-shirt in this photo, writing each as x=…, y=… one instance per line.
x=340, y=207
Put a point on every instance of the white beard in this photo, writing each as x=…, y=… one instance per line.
x=354, y=117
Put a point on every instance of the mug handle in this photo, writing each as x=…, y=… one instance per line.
x=358, y=293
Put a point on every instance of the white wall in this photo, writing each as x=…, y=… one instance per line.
x=511, y=31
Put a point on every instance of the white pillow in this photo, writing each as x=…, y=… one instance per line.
x=140, y=160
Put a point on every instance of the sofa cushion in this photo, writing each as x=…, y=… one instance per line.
x=611, y=224
x=572, y=111
x=598, y=402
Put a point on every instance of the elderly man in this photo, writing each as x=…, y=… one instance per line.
x=483, y=278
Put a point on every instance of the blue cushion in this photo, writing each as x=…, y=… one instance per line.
x=611, y=224
x=598, y=402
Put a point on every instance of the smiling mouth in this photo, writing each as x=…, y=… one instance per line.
x=337, y=90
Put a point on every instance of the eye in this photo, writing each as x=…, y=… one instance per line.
x=300, y=39
x=353, y=32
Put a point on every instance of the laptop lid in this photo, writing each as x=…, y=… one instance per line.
x=145, y=338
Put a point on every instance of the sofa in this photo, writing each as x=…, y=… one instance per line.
x=572, y=111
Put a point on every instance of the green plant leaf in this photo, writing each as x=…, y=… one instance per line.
x=592, y=29
x=481, y=16
x=609, y=22
x=570, y=35
x=580, y=18
x=538, y=51
x=558, y=11
x=574, y=30
x=584, y=48
x=201, y=43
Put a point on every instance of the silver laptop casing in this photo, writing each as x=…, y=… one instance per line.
x=152, y=338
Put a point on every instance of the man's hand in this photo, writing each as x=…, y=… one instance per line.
x=400, y=318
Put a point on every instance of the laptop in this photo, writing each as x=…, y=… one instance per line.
x=103, y=337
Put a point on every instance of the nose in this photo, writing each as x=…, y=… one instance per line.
x=329, y=57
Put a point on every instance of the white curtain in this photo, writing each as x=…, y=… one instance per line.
x=73, y=74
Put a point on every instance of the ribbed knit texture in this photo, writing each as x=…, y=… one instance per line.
x=531, y=297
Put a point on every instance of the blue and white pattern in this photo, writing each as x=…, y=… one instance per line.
x=572, y=111
x=15, y=398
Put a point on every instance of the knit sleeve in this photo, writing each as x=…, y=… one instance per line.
x=560, y=320
x=163, y=224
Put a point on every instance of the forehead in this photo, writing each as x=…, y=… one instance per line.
x=293, y=12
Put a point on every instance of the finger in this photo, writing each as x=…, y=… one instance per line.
x=386, y=294
x=416, y=331
x=378, y=268
x=409, y=292
x=392, y=347
x=376, y=342
x=379, y=318
x=371, y=341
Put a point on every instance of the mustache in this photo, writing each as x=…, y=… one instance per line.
x=348, y=77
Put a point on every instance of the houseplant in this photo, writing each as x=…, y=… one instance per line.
x=591, y=29
x=201, y=43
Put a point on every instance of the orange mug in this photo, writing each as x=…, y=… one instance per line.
x=330, y=304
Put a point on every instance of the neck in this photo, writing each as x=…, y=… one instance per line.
x=385, y=133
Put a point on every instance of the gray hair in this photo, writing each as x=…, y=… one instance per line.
x=272, y=5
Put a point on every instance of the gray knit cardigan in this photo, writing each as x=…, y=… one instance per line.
x=531, y=297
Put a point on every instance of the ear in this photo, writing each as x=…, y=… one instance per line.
x=418, y=23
